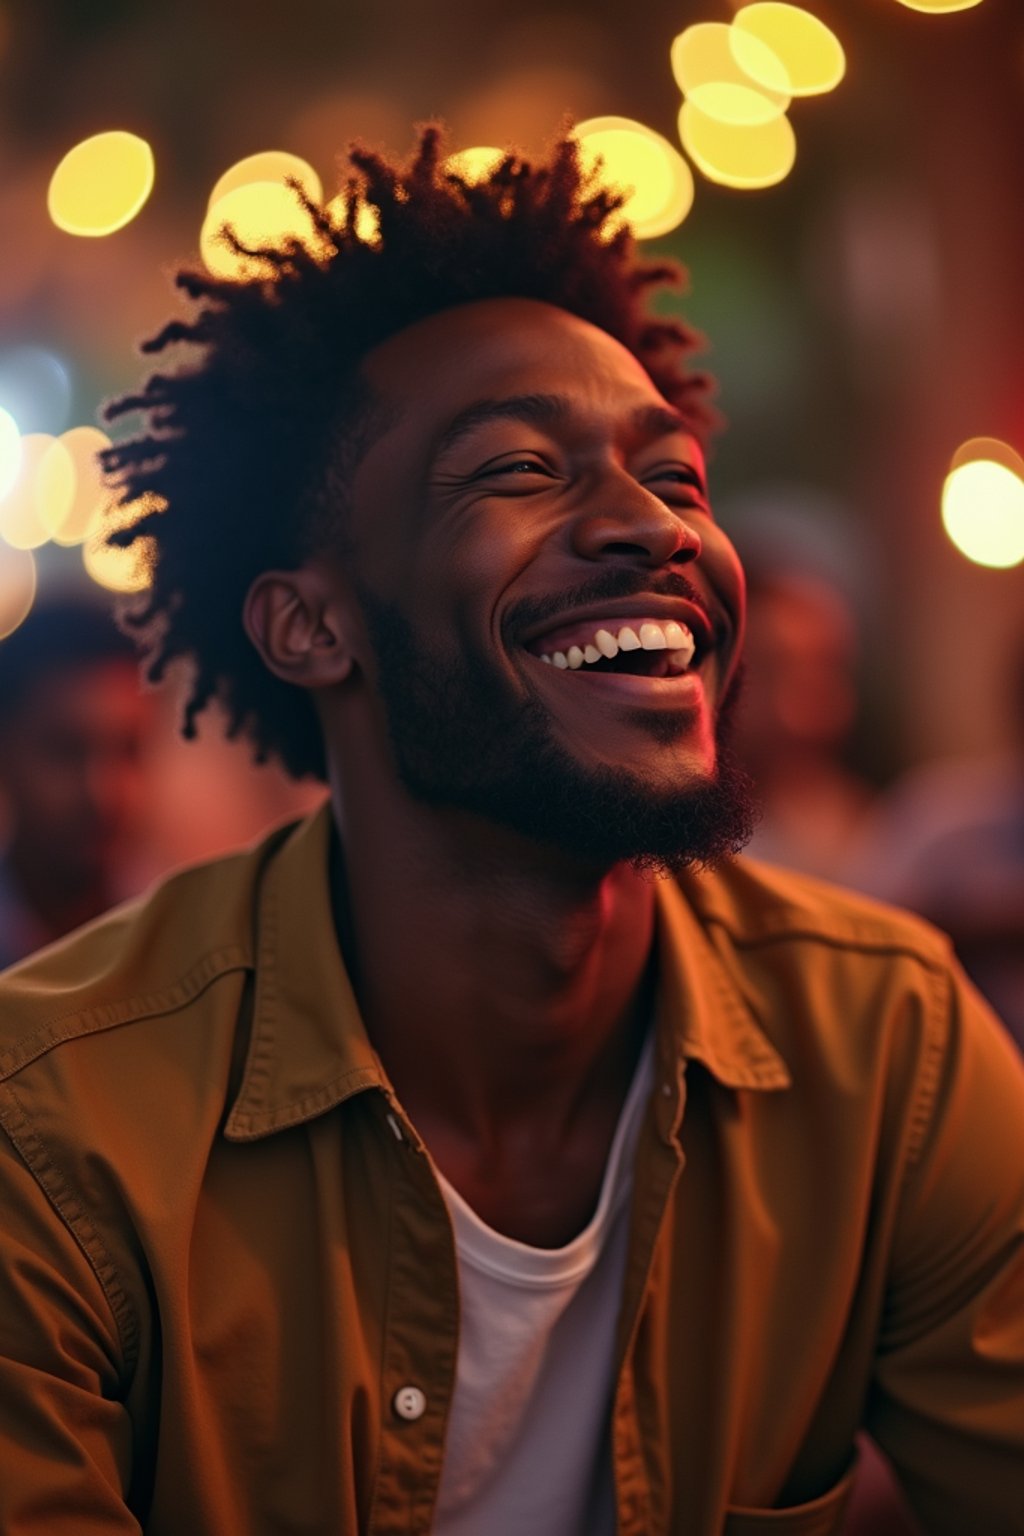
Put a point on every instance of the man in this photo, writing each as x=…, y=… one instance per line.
x=435, y=1166
x=73, y=730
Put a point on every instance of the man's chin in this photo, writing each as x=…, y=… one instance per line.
x=606, y=816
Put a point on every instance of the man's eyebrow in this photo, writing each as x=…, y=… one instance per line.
x=538, y=410
x=648, y=421
x=654, y=421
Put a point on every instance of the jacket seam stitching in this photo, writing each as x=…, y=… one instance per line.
x=73, y=1213
x=95, y=1020
x=385, y=1335
x=881, y=946
x=929, y=1072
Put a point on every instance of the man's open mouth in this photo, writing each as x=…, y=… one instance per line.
x=636, y=647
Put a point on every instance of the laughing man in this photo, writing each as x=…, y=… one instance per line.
x=493, y=1153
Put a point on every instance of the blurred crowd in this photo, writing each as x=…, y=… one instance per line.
x=99, y=795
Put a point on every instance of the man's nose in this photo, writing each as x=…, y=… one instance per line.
x=626, y=522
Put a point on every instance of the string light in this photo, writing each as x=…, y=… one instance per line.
x=991, y=448
x=809, y=53
x=120, y=570
x=262, y=214
x=734, y=155
x=633, y=158
x=274, y=165
x=18, y=582
x=476, y=163
x=367, y=218
x=983, y=513
x=90, y=495
x=41, y=495
x=938, y=6
x=711, y=74
x=101, y=184
x=10, y=452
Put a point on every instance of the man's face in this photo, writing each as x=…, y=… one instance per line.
x=71, y=767
x=534, y=496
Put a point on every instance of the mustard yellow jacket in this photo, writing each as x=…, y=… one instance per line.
x=223, y=1251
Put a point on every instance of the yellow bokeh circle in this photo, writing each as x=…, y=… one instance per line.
x=120, y=570
x=709, y=73
x=274, y=165
x=983, y=513
x=476, y=163
x=17, y=587
x=728, y=102
x=73, y=523
x=367, y=218
x=263, y=215
x=634, y=159
x=740, y=156
x=811, y=55
x=42, y=493
x=10, y=452
x=992, y=448
x=938, y=6
x=101, y=184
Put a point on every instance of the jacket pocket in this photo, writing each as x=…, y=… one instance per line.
x=821, y=1517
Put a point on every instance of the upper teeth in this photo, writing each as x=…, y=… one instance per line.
x=653, y=636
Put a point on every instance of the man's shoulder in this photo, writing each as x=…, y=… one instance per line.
x=753, y=904
x=148, y=956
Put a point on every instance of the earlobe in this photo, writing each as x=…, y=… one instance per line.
x=296, y=624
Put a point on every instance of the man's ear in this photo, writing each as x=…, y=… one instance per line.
x=299, y=623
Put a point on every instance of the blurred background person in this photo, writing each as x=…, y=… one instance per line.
x=947, y=840
x=74, y=728
x=796, y=722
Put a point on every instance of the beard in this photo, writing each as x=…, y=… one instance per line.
x=462, y=742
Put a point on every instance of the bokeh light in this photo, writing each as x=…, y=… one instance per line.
x=90, y=496
x=367, y=218
x=992, y=448
x=101, y=184
x=811, y=55
x=42, y=493
x=734, y=155
x=476, y=163
x=35, y=387
x=937, y=6
x=710, y=73
x=262, y=214
x=635, y=159
x=983, y=513
x=120, y=570
x=10, y=452
x=273, y=165
x=17, y=587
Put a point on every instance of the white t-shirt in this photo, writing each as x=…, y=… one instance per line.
x=527, y=1451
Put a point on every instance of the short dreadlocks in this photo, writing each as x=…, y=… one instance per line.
x=238, y=470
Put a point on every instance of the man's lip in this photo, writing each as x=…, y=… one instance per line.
x=623, y=611
x=686, y=689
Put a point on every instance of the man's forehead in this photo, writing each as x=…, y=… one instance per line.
x=489, y=336
x=505, y=356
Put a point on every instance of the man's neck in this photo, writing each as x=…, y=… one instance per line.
x=505, y=988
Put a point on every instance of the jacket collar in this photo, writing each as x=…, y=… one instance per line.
x=701, y=1009
x=308, y=1048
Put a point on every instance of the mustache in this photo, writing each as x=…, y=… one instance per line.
x=604, y=586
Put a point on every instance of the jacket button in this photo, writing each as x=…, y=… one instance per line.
x=409, y=1403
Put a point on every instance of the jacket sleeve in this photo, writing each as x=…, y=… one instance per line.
x=947, y=1402
x=65, y=1436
